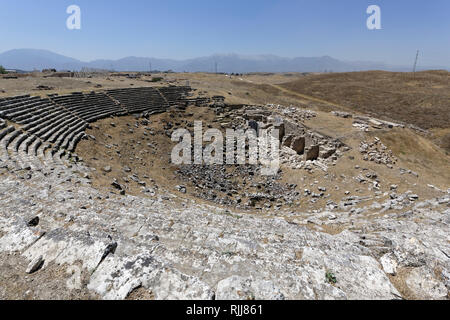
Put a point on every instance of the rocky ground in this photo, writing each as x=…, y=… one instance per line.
x=357, y=221
x=68, y=240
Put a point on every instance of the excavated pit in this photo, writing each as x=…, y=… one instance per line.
x=132, y=155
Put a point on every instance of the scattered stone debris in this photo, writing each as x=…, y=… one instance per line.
x=42, y=87
x=181, y=189
x=301, y=148
x=116, y=185
x=35, y=265
x=365, y=123
x=377, y=152
x=405, y=171
x=241, y=186
x=361, y=126
x=341, y=114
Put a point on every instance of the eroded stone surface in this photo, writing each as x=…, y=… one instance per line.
x=198, y=252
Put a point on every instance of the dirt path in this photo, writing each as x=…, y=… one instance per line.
x=307, y=98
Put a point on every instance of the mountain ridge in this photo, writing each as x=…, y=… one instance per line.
x=32, y=59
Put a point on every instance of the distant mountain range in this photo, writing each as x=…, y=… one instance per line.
x=32, y=59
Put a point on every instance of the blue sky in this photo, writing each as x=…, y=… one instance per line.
x=191, y=28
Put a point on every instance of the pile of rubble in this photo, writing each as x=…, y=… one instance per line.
x=42, y=87
x=365, y=123
x=240, y=186
x=300, y=146
x=342, y=114
x=377, y=152
x=243, y=186
x=294, y=113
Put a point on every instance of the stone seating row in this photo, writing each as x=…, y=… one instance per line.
x=14, y=109
x=137, y=100
x=199, y=102
x=22, y=149
x=175, y=95
x=17, y=100
x=89, y=107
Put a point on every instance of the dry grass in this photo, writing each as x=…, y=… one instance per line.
x=423, y=100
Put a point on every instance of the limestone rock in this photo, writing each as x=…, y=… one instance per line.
x=239, y=288
x=424, y=284
x=35, y=265
x=389, y=264
x=107, y=169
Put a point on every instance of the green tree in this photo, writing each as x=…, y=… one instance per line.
x=2, y=70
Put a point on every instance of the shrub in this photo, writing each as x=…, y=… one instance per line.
x=330, y=277
x=2, y=70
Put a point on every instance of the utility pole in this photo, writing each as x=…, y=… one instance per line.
x=415, y=63
x=215, y=66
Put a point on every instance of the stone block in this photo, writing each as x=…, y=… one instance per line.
x=327, y=152
x=312, y=153
x=298, y=144
x=287, y=141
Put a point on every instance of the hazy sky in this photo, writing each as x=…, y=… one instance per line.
x=190, y=28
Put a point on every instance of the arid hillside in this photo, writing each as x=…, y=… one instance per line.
x=422, y=100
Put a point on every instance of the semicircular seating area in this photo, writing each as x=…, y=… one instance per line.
x=39, y=132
